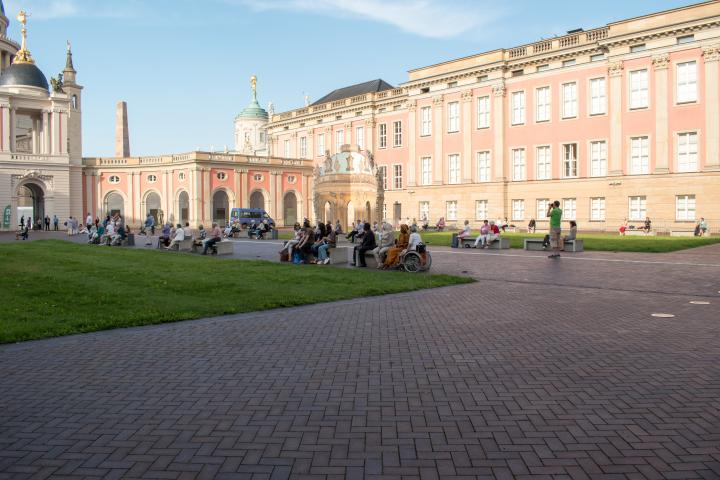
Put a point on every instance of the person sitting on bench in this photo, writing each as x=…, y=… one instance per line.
x=440, y=225
x=492, y=235
x=215, y=237
x=465, y=231
x=179, y=237
x=570, y=236
x=368, y=243
x=482, y=238
x=202, y=235
x=387, y=241
x=393, y=255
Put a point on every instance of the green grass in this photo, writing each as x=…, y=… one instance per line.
x=597, y=242
x=51, y=288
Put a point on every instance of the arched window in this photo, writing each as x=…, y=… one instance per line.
x=152, y=178
x=74, y=102
x=114, y=179
x=221, y=175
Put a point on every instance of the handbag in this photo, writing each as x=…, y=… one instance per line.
x=284, y=257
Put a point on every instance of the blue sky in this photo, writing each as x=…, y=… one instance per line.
x=183, y=66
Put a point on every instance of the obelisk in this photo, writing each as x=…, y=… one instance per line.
x=122, y=135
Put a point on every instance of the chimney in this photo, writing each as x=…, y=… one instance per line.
x=122, y=135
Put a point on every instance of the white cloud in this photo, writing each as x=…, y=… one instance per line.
x=427, y=18
x=53, y=9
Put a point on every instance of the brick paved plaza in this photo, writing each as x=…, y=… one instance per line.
x=542, y=369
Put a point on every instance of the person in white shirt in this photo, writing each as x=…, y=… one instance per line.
x=415, y=239
x=179, y=237
x=88, y=221
x=465, y=231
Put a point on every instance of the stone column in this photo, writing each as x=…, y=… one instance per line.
x=5, y=127
x=615, y=71
x=46, y=132
x=466, y=174
x=54, y=132
x=273, y=195
x=410, y=135
x=310, y=142
x=207, y=196
x=122, y=134
x=63, y=133
x=711, y=55
x=244, y=201
x=498, y=119
x=302, y=202
x=11, y=130
x=98, y=195
x=130, y=215
x=370, y=134
x=662, y=153
x=166, y=204
x=236, y=187
x=438, y=172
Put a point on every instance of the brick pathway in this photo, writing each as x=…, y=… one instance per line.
x=542, y=370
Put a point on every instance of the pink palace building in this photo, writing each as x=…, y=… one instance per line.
x=618, y=122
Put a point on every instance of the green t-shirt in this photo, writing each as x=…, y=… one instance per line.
x=555, y=217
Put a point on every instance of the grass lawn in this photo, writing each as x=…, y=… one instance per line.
x=598, y=241
x=50, y=288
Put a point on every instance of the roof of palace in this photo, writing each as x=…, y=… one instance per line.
x=254, y=110
x=25, y=75
x=372, y=86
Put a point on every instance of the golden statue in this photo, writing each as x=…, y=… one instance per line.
x=23, y=55
x=253, y=83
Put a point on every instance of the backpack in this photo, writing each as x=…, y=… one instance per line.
x=297, y=258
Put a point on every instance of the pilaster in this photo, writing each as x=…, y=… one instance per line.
x=498, y=119
x=412, y=161
x=438, y=172
x=662, y=154
x=711, y=55
x=467, y=98
x=615, y=71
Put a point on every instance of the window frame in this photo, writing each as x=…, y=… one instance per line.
x=360, y=137
x=320, y=143
x=521, y=109
x=522, y=168
x=565, y=160
x=631, y=105
x=547, y=105
x=602, y=209
x=454, y=179
x=423, y=171
x=678, y=135
x=513, y=210
x=642, y=208
x=397, y=134
x=479, y=169
x=303, y=147
x=447, y=210
x=566, y=209
x=575, y=103
x=339, y=140
x=591, y=159
x=687, y=210
x=591, y=97
x=453, y=119
x=426, y=122
x=382, y=135
x=397, y=179
x=677, y=86
x=480, y=114
x=547, y=174
x=631, y=164
x=482, y=201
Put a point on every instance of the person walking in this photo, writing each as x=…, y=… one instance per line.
x=555, y=214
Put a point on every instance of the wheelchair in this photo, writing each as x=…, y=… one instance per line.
x=414, y=261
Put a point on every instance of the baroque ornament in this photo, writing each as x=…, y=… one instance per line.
x=615, y=69
x=660, y=62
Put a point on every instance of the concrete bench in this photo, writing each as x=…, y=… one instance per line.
x=369, y=258
x=339, y=255
x=640, y=233
x=536, y=244
x=501, y=243
x=224, y=248
x=686, y=233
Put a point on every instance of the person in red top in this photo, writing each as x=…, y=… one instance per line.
x=214, y=237
x=493, y=234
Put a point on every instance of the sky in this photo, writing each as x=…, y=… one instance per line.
x=184, y=66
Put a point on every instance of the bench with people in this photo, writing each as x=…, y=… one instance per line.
x=489, y=237
x=568, y=243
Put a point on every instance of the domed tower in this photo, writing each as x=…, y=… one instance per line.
x=251, y=126
x=8, y=48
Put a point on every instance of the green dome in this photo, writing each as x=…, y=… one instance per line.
x=254, y=110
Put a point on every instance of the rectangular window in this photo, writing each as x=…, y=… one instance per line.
x=637, y=48
x=518, y=162
x=518, y=73
x=426, y=170
x=598, y=57
x=598, y=159
x=543, y=162
x=424, y=208
x=686, y=82
x=570, y=160
x=639, y=89
x=286, y=149
x=542, y=104
x=570, y=100
x=453, y=168
x=569, y=63
x=687, y=152
x=382, y=170
x=397, y=134
x=597, y=209
x=483, y=112
x=518, y=209
x=637, y=208
x=453, y=117
x=339, y=140
x=542, y=68
x=481, y=209
x=451, y=210
x=685, y=39
x=303, y=147
x=518, y=108
x=569, y=208
x=382, y=135
x=321, y=144
x=483, y=166
x=542, y=208
x=685, y=208
x=360, y=137
x=397, y=177
x=639, y=155
x=598, y=96
x=425, y=121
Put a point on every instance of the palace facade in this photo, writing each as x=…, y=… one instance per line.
x=622, y=121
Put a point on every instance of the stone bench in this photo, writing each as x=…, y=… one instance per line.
x=536, y=244
x=640, y=233
x=339, y=255
x=501, y=243
x=223, y=248
x=686, y=233
x=369, y=258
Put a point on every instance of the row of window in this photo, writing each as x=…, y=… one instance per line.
x=339, y=141
x=114, y=179
x=637, y=209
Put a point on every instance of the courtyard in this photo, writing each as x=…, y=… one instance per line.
x=538, y=369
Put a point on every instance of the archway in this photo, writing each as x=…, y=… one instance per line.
x=290, y=208
x=114, y=203
x=328, y=212
x=152, y=206
x=257, y=200
x=31, y=203
x=220, y=207
x=183, y=207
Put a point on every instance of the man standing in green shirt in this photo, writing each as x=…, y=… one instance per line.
x=555, y=214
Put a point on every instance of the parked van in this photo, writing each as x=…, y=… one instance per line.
x=245, y=216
